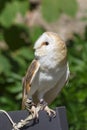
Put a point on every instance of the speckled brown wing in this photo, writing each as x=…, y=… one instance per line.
x=27, y=80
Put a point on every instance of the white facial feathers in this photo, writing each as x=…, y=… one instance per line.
x=43, y=38
x=49, y=42
x=49, y=37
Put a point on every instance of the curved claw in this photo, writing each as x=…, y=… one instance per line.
x=50, y=112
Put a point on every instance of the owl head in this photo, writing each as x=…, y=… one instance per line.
x=50, y=45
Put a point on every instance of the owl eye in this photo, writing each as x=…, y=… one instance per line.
x=46, y=43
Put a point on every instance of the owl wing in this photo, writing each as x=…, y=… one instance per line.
x=53, y=93
x=27, y=80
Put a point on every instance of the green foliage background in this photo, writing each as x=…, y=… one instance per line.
x=15, y=60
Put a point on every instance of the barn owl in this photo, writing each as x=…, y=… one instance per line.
x=48, y=72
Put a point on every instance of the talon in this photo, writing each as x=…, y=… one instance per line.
x=31, y=107
x=36, y=120
x=50, y=112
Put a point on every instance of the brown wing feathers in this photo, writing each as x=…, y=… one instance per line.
x=27, y=80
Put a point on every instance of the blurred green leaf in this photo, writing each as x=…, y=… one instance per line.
x=11, y=10
x=16, y=35
x=16, y=76
x=5, y=66
x=21, y=64
x=6, y=103
x=26, y=53
x=16, y=88
x=19, y=96
x=52, y=10
x=82, y=96
x=1, y=36
x=35, y=33
x=70, y=8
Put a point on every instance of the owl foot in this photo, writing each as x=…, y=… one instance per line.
x=31, y=107
x=50, y=112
